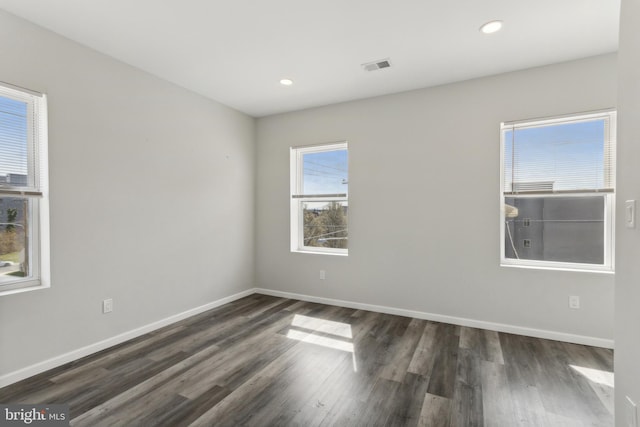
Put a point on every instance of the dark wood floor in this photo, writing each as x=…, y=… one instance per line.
x=266, y=361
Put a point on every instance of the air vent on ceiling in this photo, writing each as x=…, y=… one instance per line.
x=377, y=65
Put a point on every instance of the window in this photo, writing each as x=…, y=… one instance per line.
x=23, y=191
x=319, y=199
x=557, y=192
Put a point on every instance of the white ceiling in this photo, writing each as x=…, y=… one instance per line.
x=236, y=51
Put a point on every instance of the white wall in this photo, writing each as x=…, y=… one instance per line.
x=424, y=202
x=627, y=323
x=152, y=198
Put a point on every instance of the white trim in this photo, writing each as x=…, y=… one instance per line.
x=20, y=89
x=56, y=361
x=318, y=251
x=564, y=118
x=461, y=321
x=25, y=286
x=561, y=267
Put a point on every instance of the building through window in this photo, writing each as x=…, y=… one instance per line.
x=558, y=189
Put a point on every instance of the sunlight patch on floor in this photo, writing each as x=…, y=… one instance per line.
x=323, y=341
x=601, y=382
x=595, y=375
x=304, y=329
x=321, y=325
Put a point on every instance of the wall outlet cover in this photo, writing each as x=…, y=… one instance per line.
x=574, y=302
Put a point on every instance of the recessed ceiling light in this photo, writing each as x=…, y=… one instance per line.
x=286, y=82
x=491, y=27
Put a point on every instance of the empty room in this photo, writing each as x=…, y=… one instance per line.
x=288, y=213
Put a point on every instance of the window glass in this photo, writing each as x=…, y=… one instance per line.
x=560, y=229
x=565, y=156
x=325, y=172
x=13, y=142
x=325, y=224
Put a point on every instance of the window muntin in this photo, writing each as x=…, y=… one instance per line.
x=557, y=192
x=23, y=190
x=319, y=199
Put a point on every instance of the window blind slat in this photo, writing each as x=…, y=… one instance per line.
x=13, y=142
x=19, y=136
x=572, y=156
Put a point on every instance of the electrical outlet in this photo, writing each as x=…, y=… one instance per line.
x=526, y=243
x=631, y=413
x=574, y=302
x=107, y=305
x=322, y=275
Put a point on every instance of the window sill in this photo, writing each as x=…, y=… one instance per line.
x=300, y=251
x=602, y=270
x=26, y=287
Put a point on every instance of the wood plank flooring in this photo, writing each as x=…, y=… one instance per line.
x=266, y=361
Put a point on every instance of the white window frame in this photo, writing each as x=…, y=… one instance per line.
x=36, y=191
x=609, y=198
x=298, y=199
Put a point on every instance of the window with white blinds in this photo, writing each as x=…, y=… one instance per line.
x=557, y=191
x=23, y=190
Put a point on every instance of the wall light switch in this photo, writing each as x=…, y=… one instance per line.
x=630, y=213
x=322, y=275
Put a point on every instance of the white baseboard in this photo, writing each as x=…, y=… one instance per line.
x=54, y=362
x=499, y=327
